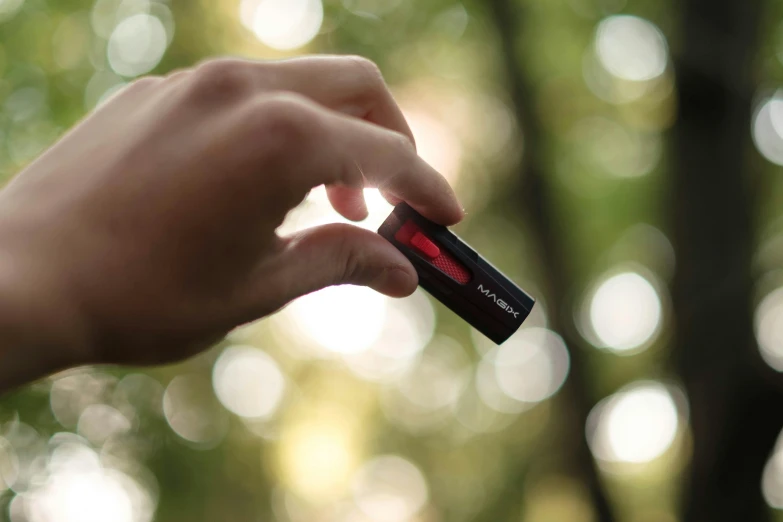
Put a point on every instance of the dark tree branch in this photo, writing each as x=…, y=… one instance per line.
x=534, y=201
x=735, y=410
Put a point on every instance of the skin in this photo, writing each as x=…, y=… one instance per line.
x=149, y=230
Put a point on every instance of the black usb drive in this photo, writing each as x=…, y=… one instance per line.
x=457, y=276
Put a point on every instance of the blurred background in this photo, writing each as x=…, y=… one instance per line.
x=619, y=159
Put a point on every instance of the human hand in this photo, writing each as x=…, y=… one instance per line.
x=149, y=231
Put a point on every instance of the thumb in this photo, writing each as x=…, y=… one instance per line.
x=338, y=254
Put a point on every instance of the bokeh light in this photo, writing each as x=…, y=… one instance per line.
x=137, y=45
x=475, y=414
x=283, y=24
x=772, y=477
x=248, y=382
x=390, y=489
x=99, y=422
x=138, y=393
x=438, y=378
x=436, y=143
x=319, y=452
x=76, y=486
x=424, y=397
x=72, y=392
x=525, y=370
x=635, y=425
x=537, y=319
x=616, y=150
x=408, y=327
x=532, y=366
x=624, y=313
x=767, y=128
x=769, y=328
x=101, y=87
x=342, y=319
x=489, y=391
x=8, y=8
x=631, y=48
x=103, y=17
x=24, y=447
x=9, y=465
x=193, y=412
x=25, y=103
x=628, y=62
x=649, y=245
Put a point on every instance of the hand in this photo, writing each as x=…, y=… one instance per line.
x=149, y=230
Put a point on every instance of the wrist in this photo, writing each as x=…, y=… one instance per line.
x=40, y=329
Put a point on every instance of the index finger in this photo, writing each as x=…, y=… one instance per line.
x=352, y=85
x=333, y=149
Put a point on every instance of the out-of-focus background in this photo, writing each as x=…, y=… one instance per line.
x=620, y=159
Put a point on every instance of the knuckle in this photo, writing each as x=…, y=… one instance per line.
x=285, y=119
x=365, y=64
x=402, y=146
x=372, y=76
x=220, y=80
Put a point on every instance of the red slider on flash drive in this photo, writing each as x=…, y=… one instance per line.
x=411, y=235
x=424, y=245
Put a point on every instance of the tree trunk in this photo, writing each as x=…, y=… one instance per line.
x=735, y=414
x=534, y=201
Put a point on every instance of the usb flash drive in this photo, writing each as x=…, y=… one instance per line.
x=457, y=276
